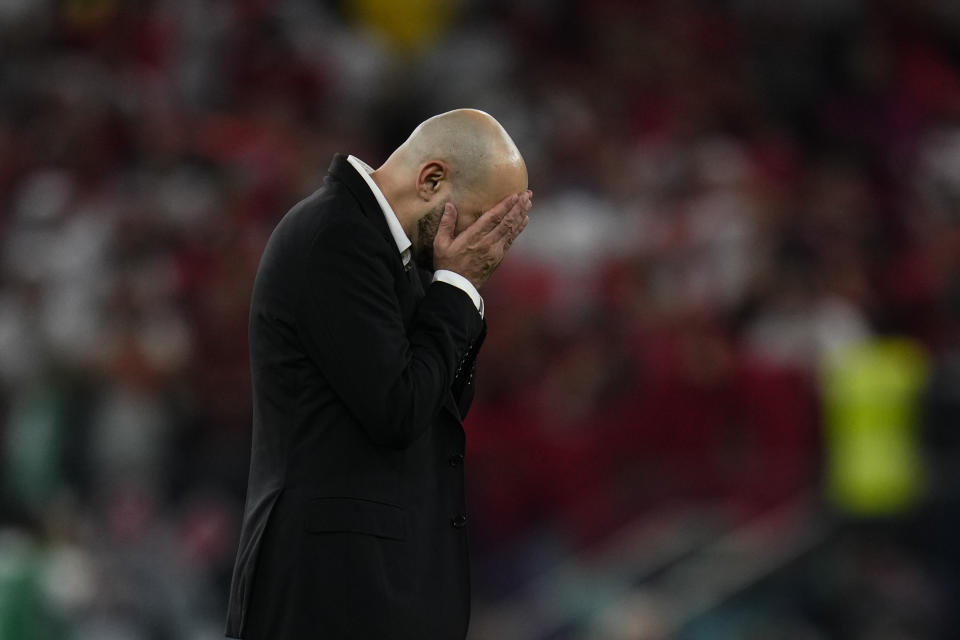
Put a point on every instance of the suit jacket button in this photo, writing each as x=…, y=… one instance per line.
x=456, y=460
x=459, y=521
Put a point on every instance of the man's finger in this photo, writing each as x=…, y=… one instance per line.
x=490, y=219
x=510, y=223
x=509, y=238
x=448, y=224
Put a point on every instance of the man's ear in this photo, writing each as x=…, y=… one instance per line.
x=431, y=178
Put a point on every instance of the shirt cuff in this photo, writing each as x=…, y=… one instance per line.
x=455, y=279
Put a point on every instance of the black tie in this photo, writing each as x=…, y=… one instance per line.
x=414, y=276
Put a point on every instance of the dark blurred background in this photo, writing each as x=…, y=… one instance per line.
x=720, y=397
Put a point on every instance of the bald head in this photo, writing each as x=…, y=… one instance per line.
x=476, y=148
x=463, y=156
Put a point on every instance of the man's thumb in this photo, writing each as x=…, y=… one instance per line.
x=448, y=222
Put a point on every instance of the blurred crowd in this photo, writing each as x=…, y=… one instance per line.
x=730, y=197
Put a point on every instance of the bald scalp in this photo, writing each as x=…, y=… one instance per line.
x=470, y=142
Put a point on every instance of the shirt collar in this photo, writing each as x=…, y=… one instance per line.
x=403, y=242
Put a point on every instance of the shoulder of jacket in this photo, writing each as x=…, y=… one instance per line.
x=337, y=221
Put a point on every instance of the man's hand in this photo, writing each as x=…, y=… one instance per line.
x=478, y=250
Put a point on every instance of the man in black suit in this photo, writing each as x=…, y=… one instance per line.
x=365, y=323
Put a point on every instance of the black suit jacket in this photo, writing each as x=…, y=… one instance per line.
x=354, y=524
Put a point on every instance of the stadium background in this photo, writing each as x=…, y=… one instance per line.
x=721, y=393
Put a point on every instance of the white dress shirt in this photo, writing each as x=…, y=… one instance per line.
x=403, y=242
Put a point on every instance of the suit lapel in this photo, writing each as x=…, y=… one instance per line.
x=345, y=173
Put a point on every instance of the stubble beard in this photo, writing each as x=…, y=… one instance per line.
x=427, y=228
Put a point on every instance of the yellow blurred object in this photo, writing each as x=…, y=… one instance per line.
x=872, y=395
x=89, y=14
x=408, y=25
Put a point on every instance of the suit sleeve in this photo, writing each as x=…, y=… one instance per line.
x=463, y=387
x=391, y=380
x=463, y=383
